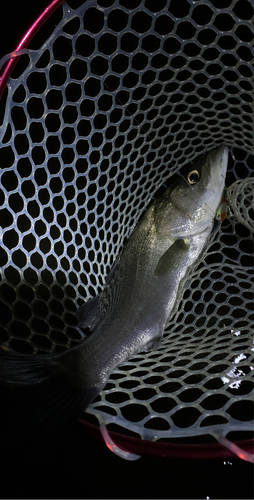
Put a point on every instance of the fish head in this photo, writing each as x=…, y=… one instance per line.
x=192, y=201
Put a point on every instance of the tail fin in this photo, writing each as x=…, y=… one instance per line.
x=40, y=393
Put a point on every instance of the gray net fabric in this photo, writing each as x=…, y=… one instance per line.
x=116, y=100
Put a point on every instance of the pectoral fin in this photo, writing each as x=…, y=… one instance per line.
x=87, y=315
x=172, y=256
x=112, y=270
x=153, y=344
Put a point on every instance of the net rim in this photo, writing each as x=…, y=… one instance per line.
x=9, y=65
x=169, y=450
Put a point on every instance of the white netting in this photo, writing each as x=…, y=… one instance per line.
x=120, y=96
x=240, y=197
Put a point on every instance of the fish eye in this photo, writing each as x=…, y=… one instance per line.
x=193, y=177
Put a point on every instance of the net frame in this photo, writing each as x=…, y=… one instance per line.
x=11, y=59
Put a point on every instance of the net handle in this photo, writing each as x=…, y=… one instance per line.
x=13, y=58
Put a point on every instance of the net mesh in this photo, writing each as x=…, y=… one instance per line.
x=96, y=120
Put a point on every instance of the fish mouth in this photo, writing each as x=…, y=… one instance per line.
x=216, y=172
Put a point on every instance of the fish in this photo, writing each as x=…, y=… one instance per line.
x=131, y=312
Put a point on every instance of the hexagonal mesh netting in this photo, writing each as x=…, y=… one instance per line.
x=119, y=97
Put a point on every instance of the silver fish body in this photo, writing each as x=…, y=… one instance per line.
x=131, y=312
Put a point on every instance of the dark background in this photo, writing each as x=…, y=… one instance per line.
x=75, y=465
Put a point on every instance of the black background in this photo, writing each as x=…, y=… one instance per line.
x=75, y=465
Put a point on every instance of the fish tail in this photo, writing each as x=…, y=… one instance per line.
x=40, y=393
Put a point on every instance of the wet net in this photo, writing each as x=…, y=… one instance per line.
x=95, y=119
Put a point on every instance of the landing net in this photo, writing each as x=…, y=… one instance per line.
x=95, y=119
